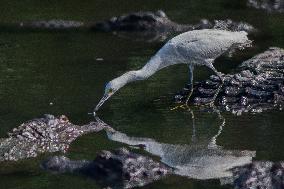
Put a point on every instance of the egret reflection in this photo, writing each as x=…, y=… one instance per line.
x=196, y=160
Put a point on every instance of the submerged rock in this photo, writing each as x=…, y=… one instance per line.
x=268, y=5
x=118, y=169
x=257, y=86
x=48, y=134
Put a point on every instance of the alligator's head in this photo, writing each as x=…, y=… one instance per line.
x=47, y=134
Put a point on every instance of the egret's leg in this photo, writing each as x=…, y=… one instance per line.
x=209, y=64
x=191, y=68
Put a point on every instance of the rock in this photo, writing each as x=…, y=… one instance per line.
x=257, y=86
x=118, y=169
x=48, y=134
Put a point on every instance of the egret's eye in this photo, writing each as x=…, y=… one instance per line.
x=110, y=90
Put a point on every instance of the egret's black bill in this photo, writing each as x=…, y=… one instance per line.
x=105, y=97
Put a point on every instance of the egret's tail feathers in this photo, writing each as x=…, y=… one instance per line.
x=246, y=44
x=243, y=32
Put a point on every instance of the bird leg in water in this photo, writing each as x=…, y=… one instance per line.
x=209, y=64
x=213, y=142
x=185, y=105
x=191, y=83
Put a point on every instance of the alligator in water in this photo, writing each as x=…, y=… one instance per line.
x=151, y=26
x=268, y=5
x=48, y=134
x=257, y=86
x=124, y=169
x=120, y=169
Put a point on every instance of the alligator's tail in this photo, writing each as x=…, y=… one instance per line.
x=45, y=25
x=52, y=24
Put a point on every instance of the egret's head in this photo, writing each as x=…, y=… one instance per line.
x=114, y=85
x=110, y=89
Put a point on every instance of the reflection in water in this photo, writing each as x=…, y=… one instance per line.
x=198, y=161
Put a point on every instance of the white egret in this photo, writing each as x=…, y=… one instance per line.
x=198, y=47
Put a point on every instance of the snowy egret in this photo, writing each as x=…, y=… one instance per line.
x=198, y=47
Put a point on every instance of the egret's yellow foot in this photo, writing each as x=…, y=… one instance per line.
x=183, y=106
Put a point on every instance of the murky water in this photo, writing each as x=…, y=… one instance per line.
x=57, y=73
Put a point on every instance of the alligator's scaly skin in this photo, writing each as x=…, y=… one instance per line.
x=48, y=134
x=260, y=175
x=258, y=86
x=118, y=169
x=268, y=5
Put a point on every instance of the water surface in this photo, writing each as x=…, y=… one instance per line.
x=57, y=73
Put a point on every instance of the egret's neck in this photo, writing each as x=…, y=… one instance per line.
x=152, y=66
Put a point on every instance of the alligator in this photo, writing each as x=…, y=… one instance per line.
x=157, y=26
x=124, y=169
x=258, y=85
x=268, y=5
x=138, y=22
x=117, y=169
x=148, y=25
x=47, y=134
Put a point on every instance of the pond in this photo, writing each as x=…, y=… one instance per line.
x=65, y=73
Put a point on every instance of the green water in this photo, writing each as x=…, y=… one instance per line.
x=40, y=68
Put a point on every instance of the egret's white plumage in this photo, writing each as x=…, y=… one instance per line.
x=198, y=47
